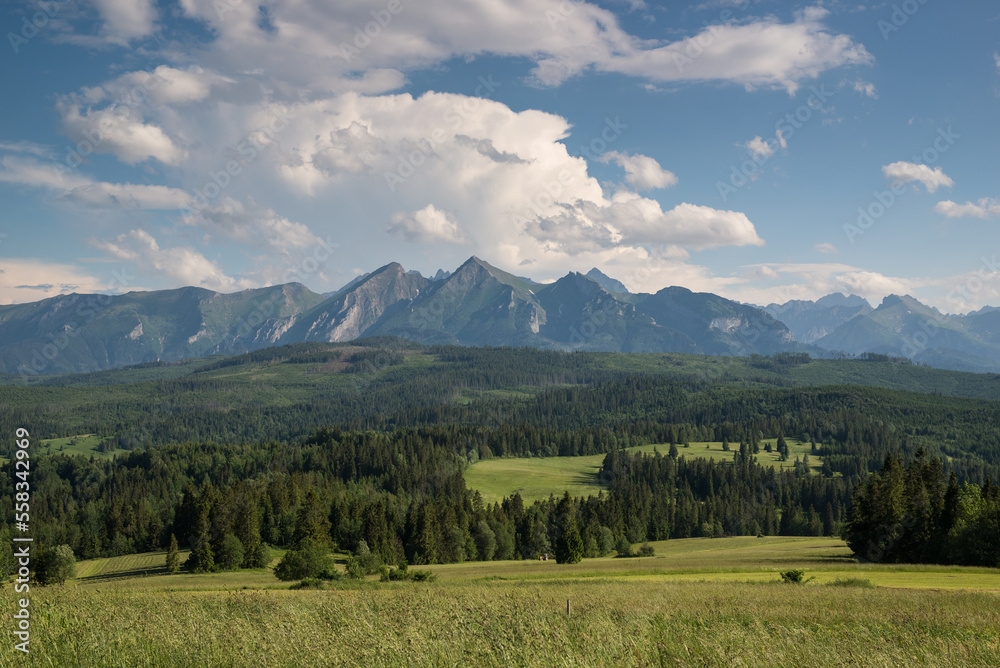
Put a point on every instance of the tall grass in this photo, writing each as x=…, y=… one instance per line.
x=510, y=623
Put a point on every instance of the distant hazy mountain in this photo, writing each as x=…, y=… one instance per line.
x=606, y=281
x=88, y=332
x=905, y=327
x=810, y=321
x=477, y=304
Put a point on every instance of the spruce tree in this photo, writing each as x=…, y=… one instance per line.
x=569, y=547
x=311, y=521
x=248, y=532
x=173, y=558
x=202, y=559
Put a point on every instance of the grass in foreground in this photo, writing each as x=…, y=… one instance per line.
x=699, y=602
x=514, y=623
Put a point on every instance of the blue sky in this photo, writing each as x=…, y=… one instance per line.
x=764, y=151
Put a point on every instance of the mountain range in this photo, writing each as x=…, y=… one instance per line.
x=477, y=305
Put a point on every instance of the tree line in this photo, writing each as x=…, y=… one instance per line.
x=911, y=512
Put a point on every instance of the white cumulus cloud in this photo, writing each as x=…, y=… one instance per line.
x=125, y=20
x=984, y=208
x=641, y=172
x=904, y=172
x=427, y=225
x=759, y=148
x=182, y=264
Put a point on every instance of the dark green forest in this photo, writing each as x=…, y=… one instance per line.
x=367, y=444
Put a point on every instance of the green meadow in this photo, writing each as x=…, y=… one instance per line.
x=535, y=478
x=698, y=602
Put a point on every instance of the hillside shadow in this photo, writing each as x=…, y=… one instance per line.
x=124, y=575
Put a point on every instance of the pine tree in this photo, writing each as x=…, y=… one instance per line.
x=569, y=547
x=173, y=558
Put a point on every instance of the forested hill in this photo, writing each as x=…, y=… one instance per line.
x=854, y=407
x=369, y=441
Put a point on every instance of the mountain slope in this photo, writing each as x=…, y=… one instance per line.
x=353, y=311
x=606, y=282
x=903, y=326
x=89, y=332
x=719, y=326
x=476, y=305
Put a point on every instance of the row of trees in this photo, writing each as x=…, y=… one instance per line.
x=601, y=409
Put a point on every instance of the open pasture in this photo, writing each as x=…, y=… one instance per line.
x=535, y=478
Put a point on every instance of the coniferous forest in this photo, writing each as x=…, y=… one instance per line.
x=374, y=465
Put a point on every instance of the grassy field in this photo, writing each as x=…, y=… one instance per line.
x=538, y=477
x=741, y=558
x=699, y=602
x=83, y=444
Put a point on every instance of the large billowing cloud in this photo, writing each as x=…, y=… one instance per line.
x=287, y=131
x=428, y=224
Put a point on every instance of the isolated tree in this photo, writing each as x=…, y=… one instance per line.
x=229, y=555
x=486, y=541
x=55, y=565
x=173, y=558
x=569, y=547
x=310, y=559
